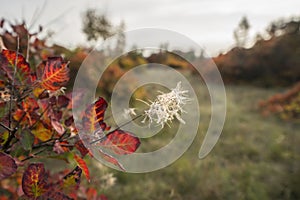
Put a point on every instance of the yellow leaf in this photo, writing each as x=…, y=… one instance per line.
x=41, y=132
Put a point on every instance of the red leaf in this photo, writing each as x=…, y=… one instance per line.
x=111, y=159
x=81, y=163
x=30, y=104
x=8, y=61
x=62, y=101
x=34, y=181
x=81, y=148
x=69, y=121
x=8, y=165
x=120, y=142
x=56, y=195
x=55, y=73
x=103, y=197
x=94, y=115
x=91, y=193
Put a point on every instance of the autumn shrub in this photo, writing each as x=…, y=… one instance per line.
x=286, y=105
x=36, y=126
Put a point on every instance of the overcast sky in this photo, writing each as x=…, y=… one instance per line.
x=210, y=23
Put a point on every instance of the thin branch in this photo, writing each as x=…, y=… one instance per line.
x=28, y=48
x=59, y=16
x=12, y=96
x=40, y=117
x=33, y=155
x=6, y=127
x=128, y=122
x=45, y=143
x=67, y=145
x=7, y=144
x=37, y=15
x=19, y=121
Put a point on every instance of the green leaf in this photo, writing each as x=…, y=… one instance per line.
x=71, y=181
x=3, y=137
x=27, y=140
x=18, y=150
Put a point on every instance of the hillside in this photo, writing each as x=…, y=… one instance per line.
x=272, y=62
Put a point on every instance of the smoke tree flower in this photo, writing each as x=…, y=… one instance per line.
x=167, y=106
x=128, y=112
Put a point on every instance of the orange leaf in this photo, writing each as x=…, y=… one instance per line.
x=27, y=108
x=30, y=104
x=81, y=163
x=34, y=182
x=94, y=115
x=8, y=60
x=55, y=73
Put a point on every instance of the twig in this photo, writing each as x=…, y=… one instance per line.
x=28, y=48
x=37, y=14
x=40, y=117
x=128, y=122
x=12, y=96
x=19, y=121
x=33, y=155
x=6, y=127
x=45, y=143
x=67, y=145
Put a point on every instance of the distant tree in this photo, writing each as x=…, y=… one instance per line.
x=258, y=37
x=241, y=32
x=121, y=39
x=163, y=47
x=292, y=27
x=96, y=25
x=271, y=30
x=284, y=26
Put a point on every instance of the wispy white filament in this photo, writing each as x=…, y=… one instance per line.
x=128, y=112
x=167, y=106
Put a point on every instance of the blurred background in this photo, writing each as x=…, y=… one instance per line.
x=256, y=47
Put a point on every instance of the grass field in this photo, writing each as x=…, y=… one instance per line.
x=255, y=158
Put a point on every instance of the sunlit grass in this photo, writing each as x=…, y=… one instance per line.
x=255, y=158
